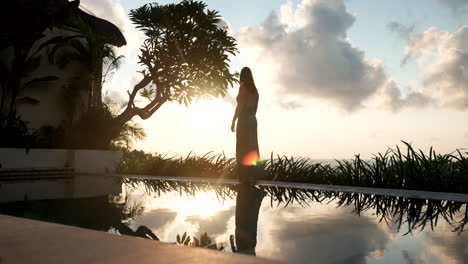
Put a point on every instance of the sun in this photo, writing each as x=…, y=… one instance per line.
x=202, y=203
x=206, y=112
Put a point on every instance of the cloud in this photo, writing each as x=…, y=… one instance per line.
x=403, y=31
x=443, y=57
x=224, y=24
x=290, y=105
x=395, y=101
x=215, y=225
x=313, y=238
x=449, y=246
x=420, y=46
x=306, y=51
x=157, y=219
x=457, y=6
x=409, y=260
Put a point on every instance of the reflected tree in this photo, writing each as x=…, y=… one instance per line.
x=99, y=213
x=205, y=241
x=416, y=213
x=395, y=211
x=118, y=212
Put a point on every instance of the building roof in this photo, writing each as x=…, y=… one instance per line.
x=33, y=16
x=108, y=31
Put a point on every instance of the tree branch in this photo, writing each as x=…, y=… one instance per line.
x=143, y=83
x=149, y=111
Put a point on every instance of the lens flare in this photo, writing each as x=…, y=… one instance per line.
x=251, y=159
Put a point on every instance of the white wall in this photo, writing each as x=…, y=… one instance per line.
x=82, y=161
x=50, y=111
x=76, y=187
x=35, y=158
x=96, y=161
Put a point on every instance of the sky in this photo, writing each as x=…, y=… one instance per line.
x=336, y=78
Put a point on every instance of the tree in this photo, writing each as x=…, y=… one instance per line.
x=185, y=55
x=21, y=26
x=73, y=36
x=97, y=58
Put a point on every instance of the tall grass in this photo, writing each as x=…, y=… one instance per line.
x=206, y=166
x=396, y=169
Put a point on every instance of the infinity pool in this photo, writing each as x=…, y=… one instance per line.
x=291, y=225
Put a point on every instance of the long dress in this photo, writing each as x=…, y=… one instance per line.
x=247, y=151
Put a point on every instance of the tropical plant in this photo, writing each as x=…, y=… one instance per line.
x=207, y=166
x=84, y=41
x=15, y=133
x=28, y=26
x=185, y=55
x=204, y=241
x=98, y=60
x=88, y=132
x=414, y=170
x=92, y=130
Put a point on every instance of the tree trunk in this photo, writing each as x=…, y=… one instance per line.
x=16, y=73
x=97, y=84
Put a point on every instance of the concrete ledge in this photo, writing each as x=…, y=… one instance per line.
x=457, y=197
x=30, y=241
x=35, y=174
x=80, y=160
x=55, y=188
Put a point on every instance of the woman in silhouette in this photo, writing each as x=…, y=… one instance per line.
x=247, y=152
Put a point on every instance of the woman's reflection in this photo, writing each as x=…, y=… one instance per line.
x=249, y=199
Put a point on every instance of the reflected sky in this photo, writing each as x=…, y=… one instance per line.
x=292, y=225
x=322, y=232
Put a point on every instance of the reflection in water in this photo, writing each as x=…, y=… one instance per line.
x=248, y=204
x=416, y=214
x=99, y=213
x=325, y=237
x=296, y=225
x=335, y=236
x=205, y=241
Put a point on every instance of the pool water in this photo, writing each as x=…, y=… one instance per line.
x=291, y=225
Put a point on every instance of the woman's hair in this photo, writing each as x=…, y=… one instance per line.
x=246, y=79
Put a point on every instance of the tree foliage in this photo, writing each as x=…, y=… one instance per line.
x=21, y=26
x=185, y=55
x=98, y=59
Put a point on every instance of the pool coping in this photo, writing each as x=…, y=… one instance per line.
x=426, y=195
x=30, y=241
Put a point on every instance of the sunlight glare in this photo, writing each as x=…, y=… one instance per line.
x=205, y=112
x=251, y=159
x=203, y=205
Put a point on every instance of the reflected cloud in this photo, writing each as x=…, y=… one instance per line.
x=293, y=225
x=337, y=238
x=157, y=219
x=215, y=225
x=451, y=247
x=409, y=259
